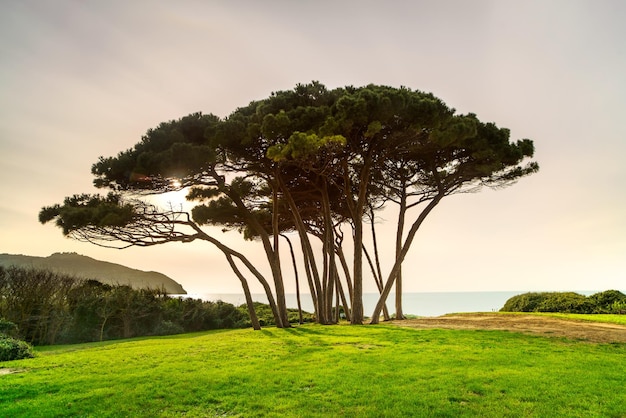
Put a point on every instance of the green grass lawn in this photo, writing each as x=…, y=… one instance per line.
x=605, y=318
x=322, y=371
x=608, y=318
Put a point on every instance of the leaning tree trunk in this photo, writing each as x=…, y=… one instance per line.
x=270, y=253
x=311, y=270
x=405, y=248
x=399, y=233
x=378, y=274
x=276, y=268
x=295, y=272
x=345, y=268
x=342, y=295
x=246, y=290
x=229, y=251
x=272, y=258
x=379, y=281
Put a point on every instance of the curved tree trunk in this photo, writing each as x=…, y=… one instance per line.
x=309, y=258
x=270, y=253
x=278, y=277
x=378, y=280
x=246, y=290
x=229, y=251
x=345, y=268
x=405, y=248
x=342, y=295
x=295, y=271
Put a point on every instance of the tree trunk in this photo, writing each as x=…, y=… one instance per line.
x=279, y=283
x=345, y=268
x=376, y=253
x=229, y=251
x=342, y=295
x=309, y=258
x=356, y=210
x=378, y=280
x=106, y=314
x=357, y=295
x=271, y=255
x=295, y=272
x=246, y=291
x=329, y=253
x=399, y=233
x=405, y=248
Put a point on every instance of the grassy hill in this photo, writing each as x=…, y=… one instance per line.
x=88, y=268
x=322, y=371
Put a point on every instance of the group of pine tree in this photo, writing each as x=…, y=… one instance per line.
x=306, y=169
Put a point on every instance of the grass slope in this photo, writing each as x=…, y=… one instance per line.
x=317, y=371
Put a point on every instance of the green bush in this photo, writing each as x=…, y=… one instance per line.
x=266, y=317
x=609, y=301
x=168, y=328
x=52, y=308
x=618, y=307
x=526, y=302
x=7, y=328
x=566, y=302
x=13, y=349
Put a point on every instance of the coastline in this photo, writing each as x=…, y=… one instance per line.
x=415, y=303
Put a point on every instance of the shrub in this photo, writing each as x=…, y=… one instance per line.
x=566, y=302
x=7, y=328
x=610, y=301
x=168, y=328
x=618, y=308
x=13, y=349
x=526, y=302
x=51, y=308
x=266, y=317
x=607, y=301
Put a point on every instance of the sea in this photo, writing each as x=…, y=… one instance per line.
x=418, y=304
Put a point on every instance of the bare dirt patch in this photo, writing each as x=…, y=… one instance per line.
x=10, y=371
x=551, y=327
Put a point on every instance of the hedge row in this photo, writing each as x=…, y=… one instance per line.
x=608, y=302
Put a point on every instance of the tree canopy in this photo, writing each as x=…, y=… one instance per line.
x=312, y=161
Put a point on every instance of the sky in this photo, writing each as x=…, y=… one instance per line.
x=84, y=79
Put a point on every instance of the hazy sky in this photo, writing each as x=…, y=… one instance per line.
x=83, y=79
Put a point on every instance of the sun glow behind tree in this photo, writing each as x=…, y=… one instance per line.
x=175, y=199
x=316, y=161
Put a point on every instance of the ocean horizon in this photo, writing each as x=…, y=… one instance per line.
x=415, y=303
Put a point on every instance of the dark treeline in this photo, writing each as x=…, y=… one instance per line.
x=53, y=308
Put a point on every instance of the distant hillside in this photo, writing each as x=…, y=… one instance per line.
x=88, y=268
